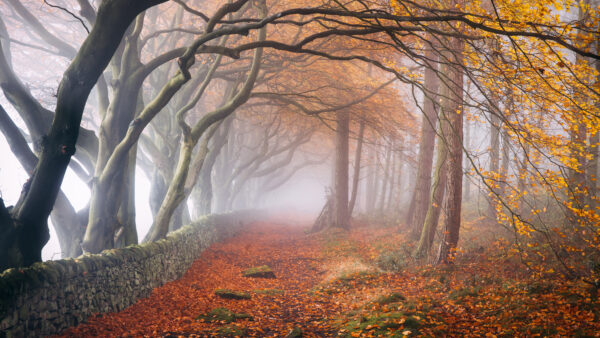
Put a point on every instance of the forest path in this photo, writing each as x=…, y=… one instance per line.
x=277, y=305
x=335, y=283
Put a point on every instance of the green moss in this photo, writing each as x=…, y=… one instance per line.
x=70, y=266
x=382, y=325
x=394, y=297
x=394, y=261
x=53, y=271
x=269, y=292
x=296, y=332
x=263, y=271
x=33, y=276
x=464, y=292
x=88, y=263
x=357, y=278
x=231, y=294
x=231, y=331
x=222, y=314
x=105, y=261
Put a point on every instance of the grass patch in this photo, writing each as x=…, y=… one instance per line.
x=393, y=261
x=381, y=325
x=357, y=278
x=394, y=297
x=464, y=292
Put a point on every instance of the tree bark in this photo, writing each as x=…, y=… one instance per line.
x=421, y=195
x=126, y=216
x=467, y=164
x=392, y=190
x=204, y=188
x=386, y=180
x=454, y=114
x=356, y=174
x=371, y=182
x=438, y=189
x=342, y=136
x=67, y=222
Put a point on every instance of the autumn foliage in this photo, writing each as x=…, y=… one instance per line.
x=357, y=284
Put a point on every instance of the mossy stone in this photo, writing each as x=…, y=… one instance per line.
x=268, y=292
x=231, y=294
x=263, y=271
x=296, y=332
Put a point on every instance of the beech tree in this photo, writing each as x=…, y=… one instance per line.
x=26, y=231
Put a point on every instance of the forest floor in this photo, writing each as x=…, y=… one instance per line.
x=352, y=284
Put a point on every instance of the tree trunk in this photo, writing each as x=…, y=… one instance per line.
x=204, y=188
x=181, y=216
x=356, y=174
x=421, y=195
x=127, y=235
x=39, y=194
x=158, y=190
x=371, y=182
x=341, y=218
x=438, y=189
x=390, y=197
x=454, y=114
x=504, y=168
x=66, y=221
x=174, y=195
x=386, y=178
x=397, y=201
x=592, y=171
x=467, y=164
x=11, y=252
x=116, y=212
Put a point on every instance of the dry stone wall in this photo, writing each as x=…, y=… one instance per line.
x=49, y=297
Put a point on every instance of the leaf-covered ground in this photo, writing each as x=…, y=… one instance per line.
x=357, y=284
